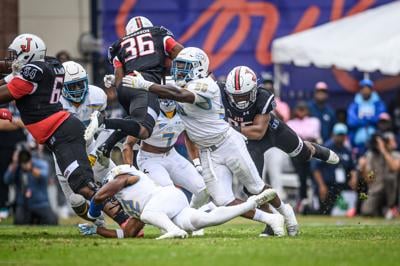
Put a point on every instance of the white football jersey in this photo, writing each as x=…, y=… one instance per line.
x=204, y=122
x=134, y=198
x=166, y=131
x=95, y=100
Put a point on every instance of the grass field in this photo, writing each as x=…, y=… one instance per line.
x=323, y=241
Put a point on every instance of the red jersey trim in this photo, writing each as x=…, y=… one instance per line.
x=169, y=44
x=19, y=87
x=117, y=63
x=43, y=129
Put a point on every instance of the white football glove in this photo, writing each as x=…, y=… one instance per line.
x=87, y=229
x=197, y=165
x=16, y=67
x=136, y=82
x=109, y=81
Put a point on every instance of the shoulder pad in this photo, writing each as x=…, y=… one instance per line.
x=163, y=31
x=97, y=98
x=265, y=101
x=33, y=71
x=113, y=51
x=205, y=87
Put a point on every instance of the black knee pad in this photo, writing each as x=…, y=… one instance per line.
x=304, y=154
x=81, y=177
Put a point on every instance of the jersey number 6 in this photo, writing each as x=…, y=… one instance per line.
x=57, y=87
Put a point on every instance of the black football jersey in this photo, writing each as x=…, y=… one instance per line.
x=265, y=103
x=142, y=51
x=43, y=101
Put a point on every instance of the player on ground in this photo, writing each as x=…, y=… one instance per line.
x=35, y=85
x=145, y=48
x=223, y=152
x=248, y=110
x=164, y=207
x=158, y=158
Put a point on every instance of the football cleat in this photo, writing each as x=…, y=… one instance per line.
x=278, y=225
x=333, y=158
x=198, y=232
x=173, y=234
x=96, y=120
x=324, y=154
x=292, y=225
x=265, y=196
x=267, y=232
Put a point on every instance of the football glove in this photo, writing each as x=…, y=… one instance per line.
x=136, y=82
x=87, y=229
x=109, y=81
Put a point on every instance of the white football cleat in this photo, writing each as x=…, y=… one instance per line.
x=333, y=158
x=278, y=225
x=292, y=225
x=96, y=120
x=173, y=234
x=265, y=196
x=198, y=232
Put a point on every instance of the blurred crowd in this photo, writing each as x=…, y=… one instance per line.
x=365, y=182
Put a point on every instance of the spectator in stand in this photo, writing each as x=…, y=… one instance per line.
x=282, y=109
x=63, y=56
x=394, y=111
x=320, y=109
x=384, y=123
x=363, y=115
x=333, y=179
x=380, y=169
x=30, y=177
x=308, y=128
x=11, y=132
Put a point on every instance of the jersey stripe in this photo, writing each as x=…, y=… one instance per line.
x=267, y=104
x=237, y=75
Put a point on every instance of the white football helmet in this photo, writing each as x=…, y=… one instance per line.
x=76, y=84
x=191, y=63
x=136, y=23
x=241, y=87
x=27, y=48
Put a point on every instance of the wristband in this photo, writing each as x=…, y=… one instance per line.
x=196, y=161
x=95, y=209
x=120, y=233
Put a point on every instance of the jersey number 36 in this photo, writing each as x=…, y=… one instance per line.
x=138, y=45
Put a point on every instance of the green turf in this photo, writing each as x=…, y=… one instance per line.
x=324, y=241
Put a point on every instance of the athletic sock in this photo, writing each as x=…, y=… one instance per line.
x=128, y=126
x=109, y=144
x=321, y=152
x=263, y=217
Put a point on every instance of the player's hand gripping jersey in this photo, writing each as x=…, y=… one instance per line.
x=204, y=119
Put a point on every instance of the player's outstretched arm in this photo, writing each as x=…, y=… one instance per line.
x=127, y=150
x=257, y=130
x=163, y=91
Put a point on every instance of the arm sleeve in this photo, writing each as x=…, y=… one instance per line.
x=19, y=87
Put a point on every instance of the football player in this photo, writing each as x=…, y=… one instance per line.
x=81, y=99
x=144, y=48
x=35, y=85
x=223, y=151
x=248, y=109
x=164, y=207
x=158, y=158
